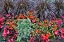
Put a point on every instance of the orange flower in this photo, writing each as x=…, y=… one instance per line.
x=45, y=21
x=26, y=16
x=37, y=31
x=31, y=16
x=39, y=23
x=12, y=24
x=47, y=35
x=20, y=16
x=44, y=24
x=55, y=27
x=10, y=27
x=7, y=22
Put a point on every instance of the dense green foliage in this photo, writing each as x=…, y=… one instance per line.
x=24, y=28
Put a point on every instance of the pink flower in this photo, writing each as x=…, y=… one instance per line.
x=4, y=32
x=44, y=38
x=59, y=22
x=62, y=35
x=2, y=19
x=11, y=40
x=7, y=15
x=1, y=26
x=61, y=30
x=62, y=17
x=56, y=32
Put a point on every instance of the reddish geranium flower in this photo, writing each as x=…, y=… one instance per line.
x=44, y=38
x=11, y=40
x=1, y=26
x=62, y=35
x=2, y=18
x=4, y=32
x=10, y=33
x=31, y=39
x=62, y=32
x=1, y=21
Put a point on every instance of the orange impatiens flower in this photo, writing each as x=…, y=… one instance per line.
x=48, y=35
x=55, y=27
x=44, y=25
x=45, y=21
x=11, y=24
x=31, y=17
x=26, y=16
x=39, y=23
x=37, y=31
x=20, y=16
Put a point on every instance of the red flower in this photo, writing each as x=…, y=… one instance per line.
x=60, y=32
x=11, y=40
x=1, y=26
x=31, y=39
x=44, y=38
x=4, y=32
x=37, y=31
x=1, y=21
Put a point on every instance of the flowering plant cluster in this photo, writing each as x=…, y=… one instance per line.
x=28, y=28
